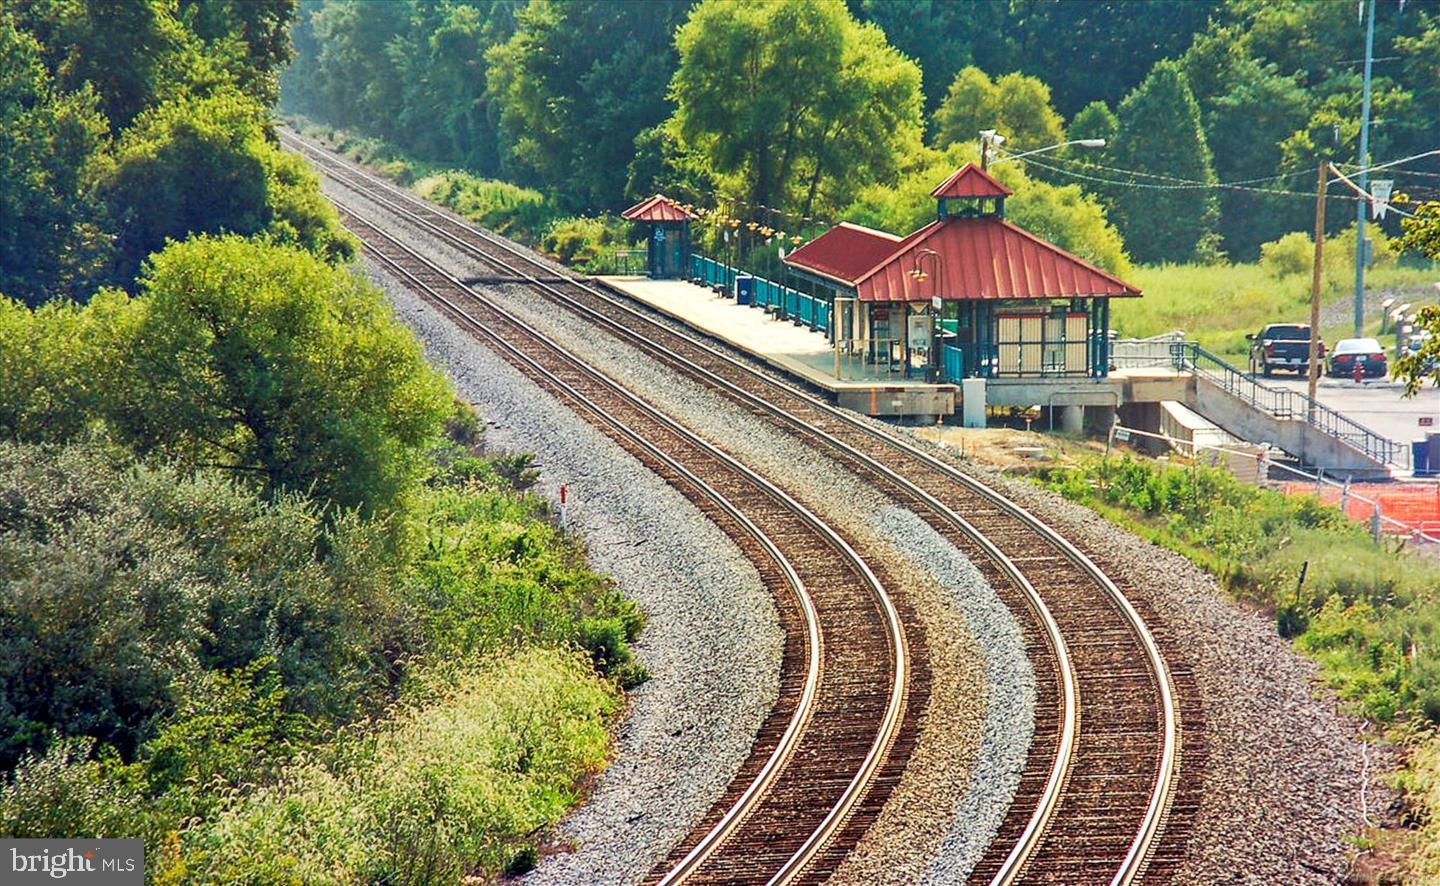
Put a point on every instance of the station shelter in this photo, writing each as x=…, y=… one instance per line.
x=667, y=247
x=970, y=295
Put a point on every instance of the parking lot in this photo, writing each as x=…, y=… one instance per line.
x=1378, y=404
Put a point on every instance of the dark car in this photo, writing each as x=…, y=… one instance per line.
x=1365, y=351
x=1282, y=346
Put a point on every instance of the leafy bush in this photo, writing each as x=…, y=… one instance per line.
x=500, y=206
x=582, y=241
x=122, y=584
x=457, y=782
x=1293, y=253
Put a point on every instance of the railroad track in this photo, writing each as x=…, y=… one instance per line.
x=843, y=702
x=1103, y=783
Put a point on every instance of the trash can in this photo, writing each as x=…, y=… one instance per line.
x=1420, y=458
x=744, y=289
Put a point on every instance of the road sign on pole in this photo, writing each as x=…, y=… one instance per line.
x=1380, y=189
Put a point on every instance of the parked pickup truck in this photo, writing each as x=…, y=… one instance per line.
x=1282, y=346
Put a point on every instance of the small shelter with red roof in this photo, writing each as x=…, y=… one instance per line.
x=968, y=295
x=668, y=243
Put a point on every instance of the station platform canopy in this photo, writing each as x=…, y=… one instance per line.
x=658, y=208
x=969, y=253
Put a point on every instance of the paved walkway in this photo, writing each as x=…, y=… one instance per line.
x=795, y=349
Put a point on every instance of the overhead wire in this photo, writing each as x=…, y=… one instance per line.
x=1185, y=181
x=1191, y=186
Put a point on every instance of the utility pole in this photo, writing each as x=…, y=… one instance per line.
x=1315, y=280
x=1363, y=161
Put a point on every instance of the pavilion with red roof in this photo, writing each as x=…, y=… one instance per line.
x=970, y=294
x=668, y=244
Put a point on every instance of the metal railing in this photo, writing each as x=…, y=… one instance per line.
x=789, y=303
x=1281, y=403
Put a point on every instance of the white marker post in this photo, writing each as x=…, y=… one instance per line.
x=564, y=516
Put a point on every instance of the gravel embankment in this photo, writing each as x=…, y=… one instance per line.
x=1008, y=727
x=1290, y=778
x=711, y=641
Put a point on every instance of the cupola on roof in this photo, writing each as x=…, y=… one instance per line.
x=971, y=181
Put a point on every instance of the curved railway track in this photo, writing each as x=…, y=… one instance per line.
x=843, y=705
x=1103, y=780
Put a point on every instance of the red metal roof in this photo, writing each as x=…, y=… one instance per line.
x=971, y=181
x=982, y=257
x=658, y=208
x=844, y=253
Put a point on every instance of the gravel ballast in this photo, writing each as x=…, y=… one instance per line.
x=711, y=640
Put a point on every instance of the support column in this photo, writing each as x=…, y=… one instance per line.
x=1072, y=419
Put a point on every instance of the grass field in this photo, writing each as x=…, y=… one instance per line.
x=1219, y=304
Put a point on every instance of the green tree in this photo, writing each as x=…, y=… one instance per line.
x=58, y=364
x=1015, y=105
x=1096, y=50
x=762, y=88
x=941, y=37
x=205, y=165
x=267, y=362
x=1247, y=110
x=1096, y=120
x=52, y=238
x=253, y=37
x=1160, y=133
x=575, y=84
x=360, y=84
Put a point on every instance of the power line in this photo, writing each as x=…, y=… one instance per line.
x=1190, y=182
x=1222, y=186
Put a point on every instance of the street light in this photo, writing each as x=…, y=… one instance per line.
x=917, y=273
x=997, y=140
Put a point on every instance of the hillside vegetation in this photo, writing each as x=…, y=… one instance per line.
x=266, y=601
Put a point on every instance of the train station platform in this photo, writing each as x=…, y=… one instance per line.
x=793, y=349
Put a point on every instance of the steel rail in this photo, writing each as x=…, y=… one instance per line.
x=773, y=765
x=1153, y=822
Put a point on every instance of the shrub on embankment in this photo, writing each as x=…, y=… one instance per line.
x=1366, y=611
x=271, y=675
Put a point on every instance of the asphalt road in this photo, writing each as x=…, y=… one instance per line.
x=1377, y=404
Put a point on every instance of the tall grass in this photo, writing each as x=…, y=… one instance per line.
x=456, y=783
x=1219, y=304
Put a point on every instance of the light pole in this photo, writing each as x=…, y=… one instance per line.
x=1363, y=161
x=918, y=274
x=1082, y=142
x=989, y=138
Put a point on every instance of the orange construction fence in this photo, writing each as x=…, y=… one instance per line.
x=1416, y=505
